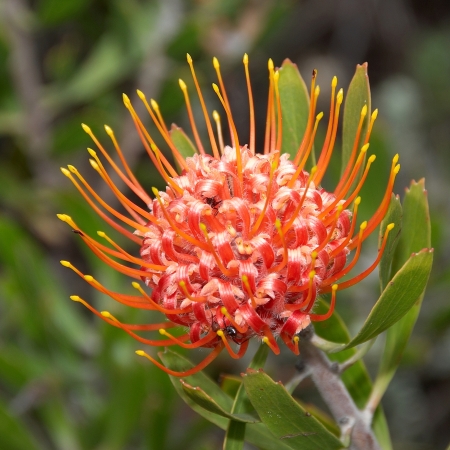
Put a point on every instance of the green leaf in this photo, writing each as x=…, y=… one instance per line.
x=393, y=215
x=294, y=99
x=176, y=362
x=230, y=384
x=260, y=357
x=182, y=142
x=416, y=228
x=54, y=12
x=398, y=298
x=24, y=260
x=416, y=234
x=242, y=404
x=255, y=433
x=381, y=429
x=357, y=96
x=126, y=396
x=202, y=399
x=58, y=421
x=284, y=417
x=106, y=65
x=10, y=122
x=14, y=435
x=235, y=436
x=324, y=418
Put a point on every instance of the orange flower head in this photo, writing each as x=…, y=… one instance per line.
x=240, y=244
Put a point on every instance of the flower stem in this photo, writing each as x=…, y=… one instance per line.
x=354, y=425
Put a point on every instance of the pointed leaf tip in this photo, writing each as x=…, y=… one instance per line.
x=400, y=295
x=284, y=417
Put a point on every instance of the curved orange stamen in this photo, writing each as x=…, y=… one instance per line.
x=76, y=229
x=291, y=343
x=107, y=219
x=224, y=93
x=231, y=352
x=121, y=254
x=98, y=167
x=156, y=306
x=78, y=299
x=347, y=185
x=131, y=182
x=344, y=243
x=146, y=138
x=280, y=266
x=250, y=104
x=327, y=315
x=235, y=134
x=184, y=235
x=220, y=265
x=384, y=205
x=347, y=269
x=309, y=297
x=111, y=210
x=269, y=340
x=128, y=300
x=241, y=329
x=350, y=161
x=205, y=111
x=361, y=182
x=130, y=174
x=262, y=214
x=332, y=227
x=197, y=139
x=213, y=355
x=323, y=152
x=153, y=342
x=368, y=271
x=249, y=290
x=124, y=254
x=216, y=118
x=183, y=287
x=329, y=150
x=310, y=145
x=144, y=133
x=200, y=343
x=373, y=117
x=146, y=327
x=288, y=225
x=279, y=130
x=314, y=94
x=269, y=109
x=133, y=273
x=155, y=107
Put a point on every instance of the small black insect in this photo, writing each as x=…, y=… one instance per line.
x=231, y=331
x=228, y=330
x=211, y=201
x=235, y=335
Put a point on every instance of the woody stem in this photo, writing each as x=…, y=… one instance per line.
x=354, y=424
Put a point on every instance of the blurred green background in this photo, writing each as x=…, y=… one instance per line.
x=67, y=380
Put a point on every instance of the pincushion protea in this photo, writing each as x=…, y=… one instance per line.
x=240, y=244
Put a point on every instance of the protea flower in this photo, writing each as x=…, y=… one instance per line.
x=240, y=244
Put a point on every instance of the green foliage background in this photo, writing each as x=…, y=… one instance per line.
x=67, y=380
